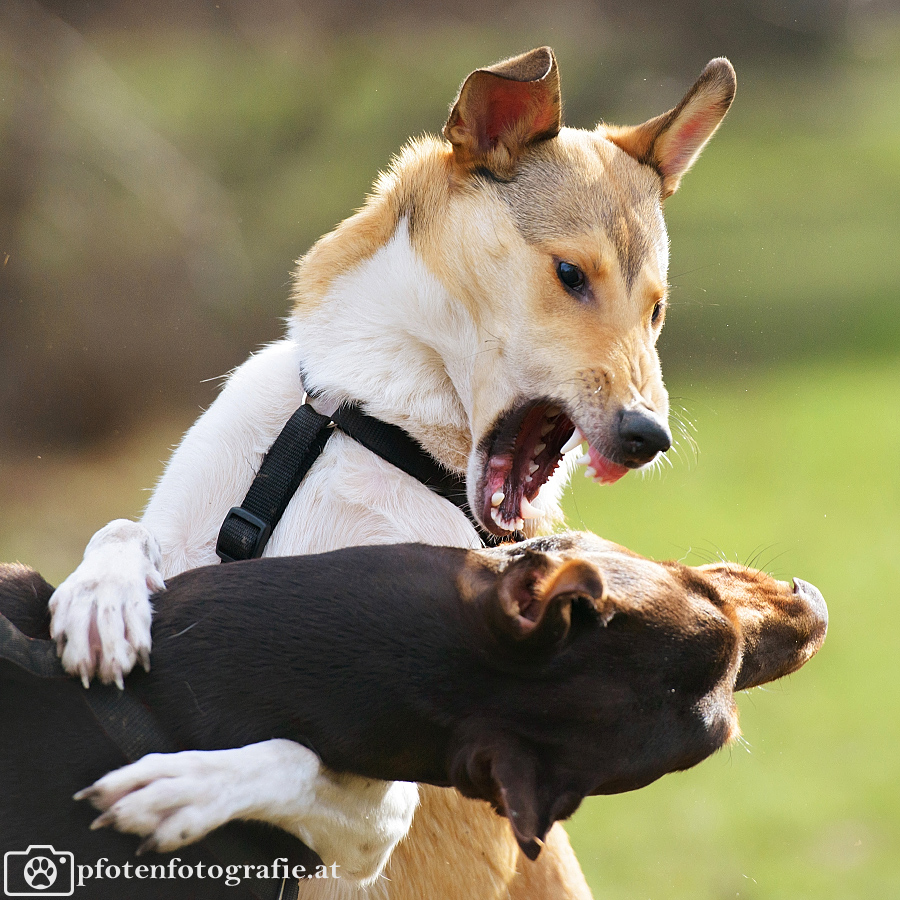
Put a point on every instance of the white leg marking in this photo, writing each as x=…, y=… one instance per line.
x=177, y=798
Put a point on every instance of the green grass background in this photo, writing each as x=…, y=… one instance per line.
x=782, y=354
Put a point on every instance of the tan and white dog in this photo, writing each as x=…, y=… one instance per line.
x=499, y=297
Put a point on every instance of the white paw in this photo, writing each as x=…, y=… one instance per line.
x=101, y=613
x=169, y=799
x=173, y=799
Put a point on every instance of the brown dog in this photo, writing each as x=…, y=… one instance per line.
x=529, y=676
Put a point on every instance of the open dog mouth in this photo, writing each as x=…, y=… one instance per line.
x=522, y=452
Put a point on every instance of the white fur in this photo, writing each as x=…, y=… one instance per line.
x=350, y=497
x=392, y=308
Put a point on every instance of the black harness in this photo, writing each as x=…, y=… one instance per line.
x=244, y=534
x=248, y=527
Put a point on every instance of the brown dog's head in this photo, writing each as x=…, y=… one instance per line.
x=631, y=665
x=570, y=256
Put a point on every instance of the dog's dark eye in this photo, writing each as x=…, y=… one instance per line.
x=571, y=276
x=656, y=316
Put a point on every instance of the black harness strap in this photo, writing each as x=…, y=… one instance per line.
x=136, y=732
x=248, y=527
x=394, y=445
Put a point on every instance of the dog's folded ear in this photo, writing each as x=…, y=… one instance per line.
x=671, y=142
x=507, y=775
x=535, y=594
x=502, y=109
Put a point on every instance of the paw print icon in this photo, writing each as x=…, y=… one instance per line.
x=39, y=871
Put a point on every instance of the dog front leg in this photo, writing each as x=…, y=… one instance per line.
x=101, y=613
x=174, y=799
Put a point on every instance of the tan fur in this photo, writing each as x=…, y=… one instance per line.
x=415, y=186
x=460, y=849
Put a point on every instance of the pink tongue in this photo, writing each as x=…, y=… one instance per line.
x=607, y=471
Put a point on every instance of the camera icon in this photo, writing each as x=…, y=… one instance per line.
x=39, y=871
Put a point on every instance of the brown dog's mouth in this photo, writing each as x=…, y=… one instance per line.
x=522, y=452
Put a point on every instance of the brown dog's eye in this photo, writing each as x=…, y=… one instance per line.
x=656, y=316
x=571, y=276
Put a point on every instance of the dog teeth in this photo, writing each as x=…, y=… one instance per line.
x=590, y=472
x=546, y=429
x=497, y=498
x=552, y=412
x=516, y=525
x=539, y=448
x=528, y=479
x=527, y=511
x=532, y=468
x=576, y=440
x=583, y=460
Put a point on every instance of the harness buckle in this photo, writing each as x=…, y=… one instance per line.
x=235, y=542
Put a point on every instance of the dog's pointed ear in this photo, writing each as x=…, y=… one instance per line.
x=506, y=775
x=502, y=109
x=671, y=142
x=535, y=595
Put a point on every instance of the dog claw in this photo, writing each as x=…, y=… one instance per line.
x=108, y=818
x=148, y=845
x=85, y=793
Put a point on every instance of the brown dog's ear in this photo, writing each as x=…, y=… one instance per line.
x=671, y=142
x=535, y=595
x=577, y=578
x=506, y=775
x=502, y=109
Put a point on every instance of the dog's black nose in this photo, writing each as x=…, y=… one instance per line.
x=642, y=435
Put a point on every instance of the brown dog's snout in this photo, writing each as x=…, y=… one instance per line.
x=781, y=641
x=818, y=611
x=642, y=435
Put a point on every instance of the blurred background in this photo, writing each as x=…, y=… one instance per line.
x=162, y=164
